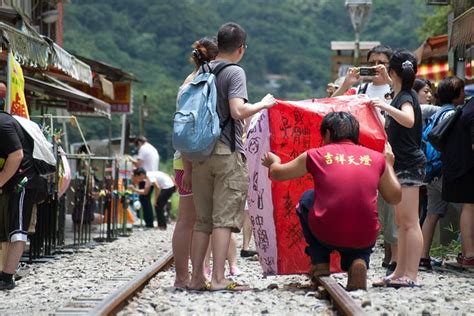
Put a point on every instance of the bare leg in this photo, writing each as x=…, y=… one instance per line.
x=3, y=257
x=394, y=250
x=247, y=231
x=207, y=261
x=198, y=252
x=428, y=230
x=410, y=237
x=15, y=250
x=182, y=237
x=220, y=247
x=467, y=230
x=232, y=256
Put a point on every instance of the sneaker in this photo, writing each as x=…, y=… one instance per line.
x=357, y=276
x=467, y=262
x=247, y=253
x=425, y=264
x=7, y=285
x=317, y=271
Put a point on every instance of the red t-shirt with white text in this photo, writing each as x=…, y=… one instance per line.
x=346, y=177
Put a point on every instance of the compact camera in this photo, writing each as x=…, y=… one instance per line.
x=367, y=71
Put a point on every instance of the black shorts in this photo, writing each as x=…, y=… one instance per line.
x=459, y=190
x=15, y=214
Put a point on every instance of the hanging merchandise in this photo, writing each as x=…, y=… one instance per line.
x=64, y=173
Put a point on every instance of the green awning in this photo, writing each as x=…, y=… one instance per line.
x=60, y=59
x=29, y=49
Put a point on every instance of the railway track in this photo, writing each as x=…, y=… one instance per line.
x=112, y=303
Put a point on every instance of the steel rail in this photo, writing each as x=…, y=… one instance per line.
x=343, y=303
x=115, y=301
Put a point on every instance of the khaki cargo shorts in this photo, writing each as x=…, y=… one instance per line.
x=220, y=185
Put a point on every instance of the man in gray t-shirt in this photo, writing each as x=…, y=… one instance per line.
x=231, y=83
x=220, y=183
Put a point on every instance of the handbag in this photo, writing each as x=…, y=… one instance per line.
x=438, y=136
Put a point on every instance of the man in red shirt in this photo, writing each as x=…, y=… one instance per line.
x=341, y=214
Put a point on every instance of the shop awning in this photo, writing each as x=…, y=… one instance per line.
x=435, y=47
x=434, y=72
x=462, y=32
x=437, y=71
x=60, y=59
x=29, y=49
x=112, y=73
x=79, y=103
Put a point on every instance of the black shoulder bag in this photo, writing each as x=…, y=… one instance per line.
x=438, y=136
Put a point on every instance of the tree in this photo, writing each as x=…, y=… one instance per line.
x=434, y=24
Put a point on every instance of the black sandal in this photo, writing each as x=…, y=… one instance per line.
x=425, y=264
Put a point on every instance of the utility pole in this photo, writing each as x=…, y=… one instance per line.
x=359, y=12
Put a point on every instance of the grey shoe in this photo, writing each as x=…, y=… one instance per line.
x=7, y=285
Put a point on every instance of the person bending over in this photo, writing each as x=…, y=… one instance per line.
x=341, y=212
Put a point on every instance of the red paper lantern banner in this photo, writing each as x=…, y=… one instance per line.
x=288, y=129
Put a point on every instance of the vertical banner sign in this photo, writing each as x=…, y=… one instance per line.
x=259, y=197
x=289, y=129
x=16, y=103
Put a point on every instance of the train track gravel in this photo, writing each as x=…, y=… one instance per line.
x=78, y=281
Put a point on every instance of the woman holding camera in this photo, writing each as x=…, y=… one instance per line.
x=404, y=128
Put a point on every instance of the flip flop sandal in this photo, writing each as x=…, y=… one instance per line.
x=402, y=282
x=206, y=287
x=232, y=287
x=383, y=282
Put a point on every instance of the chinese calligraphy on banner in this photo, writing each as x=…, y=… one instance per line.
x=288, y=129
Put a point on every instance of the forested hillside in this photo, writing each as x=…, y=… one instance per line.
x=291, y=38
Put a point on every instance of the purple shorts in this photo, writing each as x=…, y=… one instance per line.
x=179, y=181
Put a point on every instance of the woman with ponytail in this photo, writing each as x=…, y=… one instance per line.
x=204, y=50
x=404, y=128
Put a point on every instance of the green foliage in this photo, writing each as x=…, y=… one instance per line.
x=446, y=251
x=434, y=24
x=449, y=250
x=290, y=38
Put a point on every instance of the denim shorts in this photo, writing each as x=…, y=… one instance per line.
x=412, y=177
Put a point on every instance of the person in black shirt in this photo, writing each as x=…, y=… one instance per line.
x=458, y=182
x=17, y=194
x=404, y=127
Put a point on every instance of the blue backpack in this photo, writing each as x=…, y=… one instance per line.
x=197, y=126
x=433, y=161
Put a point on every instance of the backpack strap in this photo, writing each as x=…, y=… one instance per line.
x=363, y=88
x=438, y=115
x=217, y=69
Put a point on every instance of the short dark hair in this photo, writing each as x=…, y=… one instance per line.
x=404, y=63
x=380, y=49
x=420, y=83
x=341, y=125
x=139, y=171
x=140, y=139
x=230, y=37
x=449, y=89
